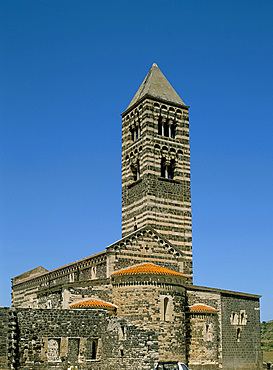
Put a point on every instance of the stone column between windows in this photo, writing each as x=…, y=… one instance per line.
x=167, y=165
x=170, y=127
x=163, y=125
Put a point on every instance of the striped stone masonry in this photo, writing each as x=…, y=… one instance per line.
x=156, y=172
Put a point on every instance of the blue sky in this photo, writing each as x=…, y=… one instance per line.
x=68, y=69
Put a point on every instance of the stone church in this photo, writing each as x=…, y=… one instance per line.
x=135, y=303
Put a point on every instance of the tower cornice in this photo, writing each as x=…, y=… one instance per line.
x=157, y=99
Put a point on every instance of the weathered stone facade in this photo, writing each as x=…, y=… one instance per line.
x=88, y=339
x=158, y=303
x=134, y=303
x=239, y=319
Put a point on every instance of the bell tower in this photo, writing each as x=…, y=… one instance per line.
x=156, y=164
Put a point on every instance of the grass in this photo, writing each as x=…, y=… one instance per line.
x=267, y=340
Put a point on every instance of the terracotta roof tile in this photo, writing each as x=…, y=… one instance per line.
x=148, y=268
x=93, y=303
x=202, y=308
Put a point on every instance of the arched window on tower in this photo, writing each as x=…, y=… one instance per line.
x=135, y=132
x=160, y=125
x=163, y=167
x=135, y=170
x=173, y=131
x=132, y=133
x=171, y=169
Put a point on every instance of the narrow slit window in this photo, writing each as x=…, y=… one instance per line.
x=165, y=308
x=163, y=167
x=94, y=349
x=238, y=333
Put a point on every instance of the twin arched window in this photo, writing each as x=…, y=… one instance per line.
x=167, y=169
x=166, y=127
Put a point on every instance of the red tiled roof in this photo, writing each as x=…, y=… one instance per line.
x=92, y=303
x=202, y=308
x=147, y=268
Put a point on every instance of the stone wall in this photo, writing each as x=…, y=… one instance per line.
x=241, y=332
x=234, y=333
x=156, y=303
x=58, y=339
x=204, y=341
x=204, y=330
x=4, y=337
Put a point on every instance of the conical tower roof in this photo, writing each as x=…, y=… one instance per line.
x=156, y=85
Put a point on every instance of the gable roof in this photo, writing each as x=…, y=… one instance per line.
x=156, y=85
x=37, y=271
x=147, y=228
x=147, y=268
